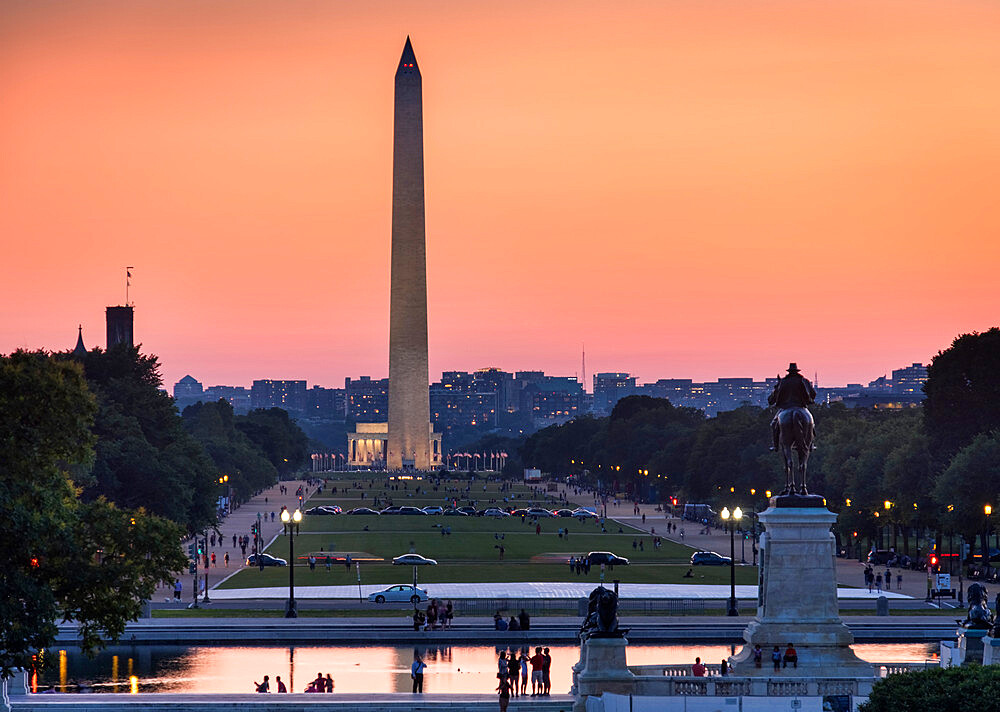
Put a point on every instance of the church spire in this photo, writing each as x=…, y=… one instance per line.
x=80, y=350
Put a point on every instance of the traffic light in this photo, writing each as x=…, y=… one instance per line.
x=200, y=549
x=192, y=550
x=34, y=562
x=193, y=568
x=934, y=560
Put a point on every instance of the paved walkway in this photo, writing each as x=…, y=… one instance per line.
x=238, y=523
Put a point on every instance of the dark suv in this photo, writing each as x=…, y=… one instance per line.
x=709, y=558
x=596, y=558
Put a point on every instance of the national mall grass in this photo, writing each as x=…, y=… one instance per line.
x=470, y=553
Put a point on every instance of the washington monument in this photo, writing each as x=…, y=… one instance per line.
x=409, y=431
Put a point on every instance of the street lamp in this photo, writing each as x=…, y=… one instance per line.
x=291, y=524
x=731, y=519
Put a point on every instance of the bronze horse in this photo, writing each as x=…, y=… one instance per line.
x=795, y=431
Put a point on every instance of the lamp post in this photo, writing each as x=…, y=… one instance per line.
x=987, y=510
x=731, y=519
x=291, y=524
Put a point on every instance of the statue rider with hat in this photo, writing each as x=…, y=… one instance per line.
x=792, y=391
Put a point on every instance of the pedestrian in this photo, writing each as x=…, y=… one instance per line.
x=698, y=670
x=280, y=684
x=525, y=620
x=899, y=580
x=178, y=587
x=226, y=559
x=503, y=688
x=262, y=686
x=878, y=582
x=513, y=624
x=640, y=545
x=329, y=682
x=776, y=658
x=546, y=667
x=328, y=562
x=724, y=668
x=234, y=541
x=524, y=672
x=757, y=656
x=791, y=656
x=312, y=562
x=449, y=614
x=643, y=518
x=514, y=672
x=635, y=545
x=213, y=558
x=417, y=673
x=537, y=661
x=538, y=529
x=502, y=665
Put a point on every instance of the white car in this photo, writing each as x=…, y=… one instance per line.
x=539, y=512
x=399, y=594
x=434, y=510
x=495, y=512
x=582, y=513
x=413, y=560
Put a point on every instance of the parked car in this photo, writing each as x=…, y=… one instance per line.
x=563, y=512
x=433, y=510
x=596, y=558
x=265, y=560
x=327, y=509
x=467, y=509
x=709, y=558
x=411, y=510
x=399, y=594
x=391, y=510
x=539, y=512
x=363, y=510
x=495, y=512
x=454, y=513
x=413, y=560
x=581, y=513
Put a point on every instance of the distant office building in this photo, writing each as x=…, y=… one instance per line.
x=288, y=395
x=457, y=402
x=493, y=380
x=325, y=403
x=188, y=389
x=119, y=321
x=909, y=379
x=366, y=400
x=609, y=388
x=551, y=399
x=237, y=396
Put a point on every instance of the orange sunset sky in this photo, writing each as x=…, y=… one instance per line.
x=693, y=188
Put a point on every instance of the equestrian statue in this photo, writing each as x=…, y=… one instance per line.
x=793, y=426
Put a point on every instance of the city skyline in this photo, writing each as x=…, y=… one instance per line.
x=627, y=180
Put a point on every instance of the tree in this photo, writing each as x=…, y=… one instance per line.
x=963, y=393
x=278, y=437
x=144, y=457
x=232, y=452
x=969, y=687
x=62, y=558
x=971, y=481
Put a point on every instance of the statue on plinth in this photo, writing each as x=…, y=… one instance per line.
x=793, y=427
x=602, y=615
x=979, y=617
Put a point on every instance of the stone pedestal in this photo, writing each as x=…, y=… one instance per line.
x=970, y=645
x=991, y=651
x=602, y=669
x=797, y=598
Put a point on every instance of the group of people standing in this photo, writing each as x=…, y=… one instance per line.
x=874, y=580
x=437, y=616
x=512, y=673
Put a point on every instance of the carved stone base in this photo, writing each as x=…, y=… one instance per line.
x=797, y=598
x=970, y=645
x=603, y=669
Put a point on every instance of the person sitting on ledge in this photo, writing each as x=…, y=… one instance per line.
x=688, y=574
x=698, y=670
x=791, y=656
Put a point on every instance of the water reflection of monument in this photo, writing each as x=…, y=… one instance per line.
x=407, y=441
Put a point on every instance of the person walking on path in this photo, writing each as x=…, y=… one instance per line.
x=878, y=582
x=178, y=587
x=226, y=559
x=417, y=673
x=280, y=684
x=503, y=688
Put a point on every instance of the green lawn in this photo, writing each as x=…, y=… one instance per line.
x=470, y=553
